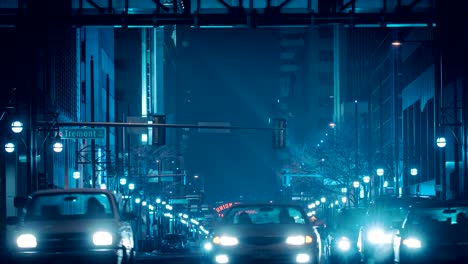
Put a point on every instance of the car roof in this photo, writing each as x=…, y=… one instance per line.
x=435, y=204
x=74, y=190
x=391, y=201
x=265, y=204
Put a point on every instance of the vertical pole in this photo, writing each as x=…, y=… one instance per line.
x=438, y=109
x=396, y=116
x=66, y=169
x=456, y=146
x=356, y=135
x=444, y=176
x=381, y=184
x=356, y=154
x=93, y=142
x=381, y=133
x=371, y=184
x=108, y=152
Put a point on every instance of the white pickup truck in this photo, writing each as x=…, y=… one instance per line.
x=69, y=225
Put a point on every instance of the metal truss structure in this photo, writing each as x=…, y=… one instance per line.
x=218, y=13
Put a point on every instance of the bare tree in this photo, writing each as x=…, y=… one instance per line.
x=334, y=160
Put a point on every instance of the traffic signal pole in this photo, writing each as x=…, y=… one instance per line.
x=123, y=124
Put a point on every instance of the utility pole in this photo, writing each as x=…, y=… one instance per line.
x=93, y=142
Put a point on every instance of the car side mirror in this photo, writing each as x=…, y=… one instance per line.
x=12, y=220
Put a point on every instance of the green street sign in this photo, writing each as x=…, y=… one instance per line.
x=83, y=133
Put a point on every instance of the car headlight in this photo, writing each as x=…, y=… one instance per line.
x=344, y=244
x=26, y=241
x=298, y=240
x=207, y=246
x=412, y=242
x=225, y=240
x=378, y=236
x=102, y=238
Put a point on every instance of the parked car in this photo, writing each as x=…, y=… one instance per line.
x=341, y=242
x=384, y=216
x=433, y=232
x=267, y=232
x=66, y=225
x=174, y=242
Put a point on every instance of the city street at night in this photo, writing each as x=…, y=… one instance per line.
x=230, y=131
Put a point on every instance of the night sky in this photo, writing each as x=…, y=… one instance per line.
x=233, y=76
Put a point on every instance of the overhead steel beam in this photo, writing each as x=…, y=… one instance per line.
x=232, y=20
x=219, y=13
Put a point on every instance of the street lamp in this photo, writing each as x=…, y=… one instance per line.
x=396, y=43
x=123, y=181
x=441, y=143
x=17, y=127
x=58, y=145
x=344, y=199
x=76, y=175
x=131, y=186
x=356, y=184
x=366, y=179
x=323, y=199
x=9, y=147
x=414, y=171
x=380, y=172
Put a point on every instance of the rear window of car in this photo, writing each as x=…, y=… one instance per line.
x=439, y=216
x=174, y=237
x=69, y=206
x=270, y=214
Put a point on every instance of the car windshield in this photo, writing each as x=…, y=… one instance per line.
x=389, y=211
x=269, y=214
x=69, y=206
x=439, y=217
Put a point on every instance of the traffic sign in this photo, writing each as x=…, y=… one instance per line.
x=83, y=133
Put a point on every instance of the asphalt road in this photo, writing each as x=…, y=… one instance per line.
x=172, y=258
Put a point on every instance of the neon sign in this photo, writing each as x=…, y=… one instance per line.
x=223, y=207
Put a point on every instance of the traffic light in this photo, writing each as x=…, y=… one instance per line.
x=279, y=133
x=159, y=133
